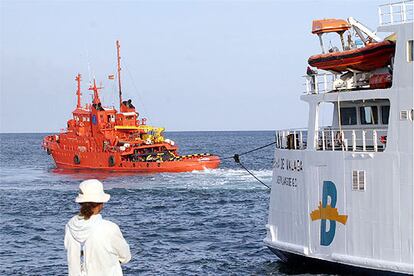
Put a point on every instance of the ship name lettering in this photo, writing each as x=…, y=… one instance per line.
x=294, y=165
x=286, y=181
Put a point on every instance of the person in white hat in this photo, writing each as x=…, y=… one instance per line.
x=95, y=246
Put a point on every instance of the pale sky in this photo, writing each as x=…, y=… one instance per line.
x=187, y=65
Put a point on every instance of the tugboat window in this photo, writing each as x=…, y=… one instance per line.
x=369, y=115
x=348, y=116
x=385, y=114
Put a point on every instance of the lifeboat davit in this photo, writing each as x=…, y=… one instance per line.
x=373, y=55
x=103, y=138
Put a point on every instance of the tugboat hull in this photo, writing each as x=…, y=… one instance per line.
x=114, y=162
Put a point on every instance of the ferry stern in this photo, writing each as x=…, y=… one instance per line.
x=343, y=193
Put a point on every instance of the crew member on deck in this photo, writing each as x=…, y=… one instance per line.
x=95, y=246
x=312, y=77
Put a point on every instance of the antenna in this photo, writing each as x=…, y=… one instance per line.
x=95, y=90
x=118, y=46
x=78, y=91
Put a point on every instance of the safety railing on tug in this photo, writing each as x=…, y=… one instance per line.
x=396, y=13
x=329, y=139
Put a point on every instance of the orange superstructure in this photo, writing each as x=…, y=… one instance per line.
x=99, y=137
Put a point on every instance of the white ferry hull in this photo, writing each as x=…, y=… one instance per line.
x=351, y=203
x=378, y=232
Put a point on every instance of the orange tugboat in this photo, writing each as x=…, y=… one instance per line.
x=99, y=137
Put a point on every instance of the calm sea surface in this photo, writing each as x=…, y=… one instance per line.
x=196, y=223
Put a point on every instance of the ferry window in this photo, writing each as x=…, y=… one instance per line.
x=348, y=116
x=385, y=114
x=410, y=51
x=369, y=115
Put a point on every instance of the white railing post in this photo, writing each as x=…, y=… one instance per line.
x=364, y=145
x=316, y=85
x=353, y=141
x=277, y=139
x=280, y=139
x=333, y=140
x=325, y=83
x=323, y=140
x=283, y=139
x=301, y=139
x=391, y=15
x=307, y=85
x=294, y=139
x=342, y=137
x=374, y=137
x=403, y=11
x=380, y=16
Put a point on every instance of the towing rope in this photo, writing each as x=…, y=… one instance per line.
x=236, y=158
x=246, y=152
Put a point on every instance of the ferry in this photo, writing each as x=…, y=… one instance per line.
x=100, y=137
x=343, y=193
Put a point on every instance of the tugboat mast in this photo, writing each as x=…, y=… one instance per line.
x=95, y=90
x=118, y=46
x=78, y=91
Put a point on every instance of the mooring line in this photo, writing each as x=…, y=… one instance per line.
x=236, y=158
x=246, y=152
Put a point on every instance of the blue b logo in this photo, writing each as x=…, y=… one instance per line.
x=326, y=212
x=328, y=190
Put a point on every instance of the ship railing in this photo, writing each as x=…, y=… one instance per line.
x=396, y=13
x=331, y=139
x=355, y=140
x=295, y=139
x=319, y=83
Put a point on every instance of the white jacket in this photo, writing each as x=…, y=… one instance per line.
x=104, y=246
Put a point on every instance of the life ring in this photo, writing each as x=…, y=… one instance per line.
x=76, y=160
x=111, y=161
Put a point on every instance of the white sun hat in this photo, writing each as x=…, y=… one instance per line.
x=91, y=190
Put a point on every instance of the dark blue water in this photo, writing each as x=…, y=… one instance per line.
x=209, y=222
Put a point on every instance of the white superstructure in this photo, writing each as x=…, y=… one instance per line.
x=344, y=193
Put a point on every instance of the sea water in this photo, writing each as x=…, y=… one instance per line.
x=197, y=223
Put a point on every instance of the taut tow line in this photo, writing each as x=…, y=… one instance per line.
x=236, y=158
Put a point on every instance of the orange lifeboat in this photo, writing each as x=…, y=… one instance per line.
x=102, y=138
x=373, y=55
